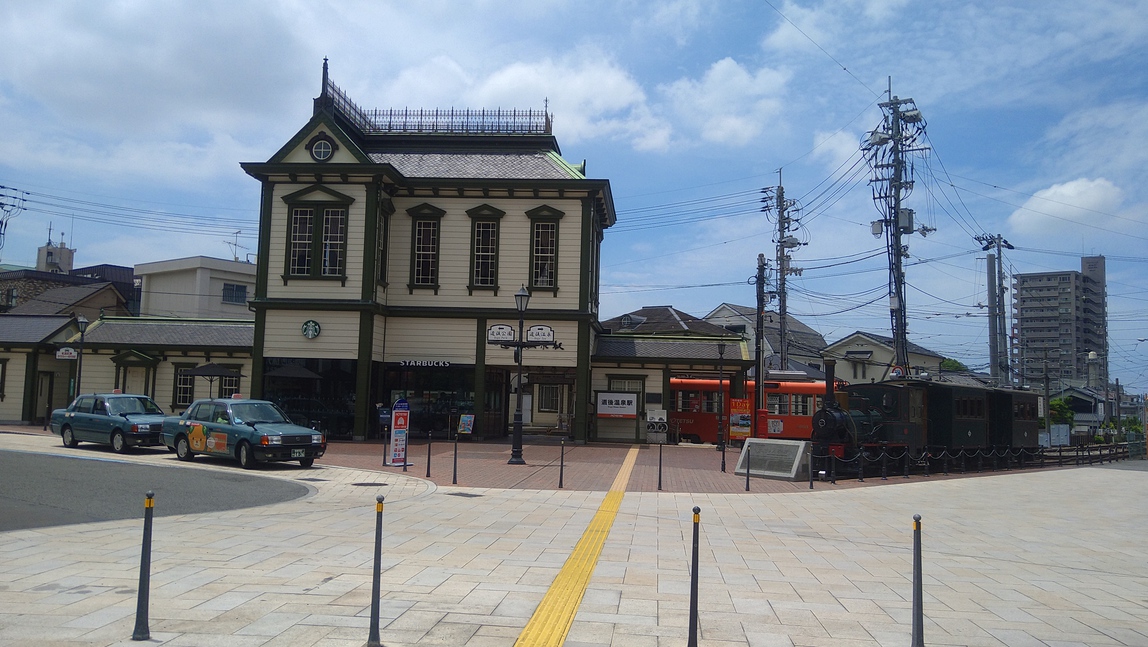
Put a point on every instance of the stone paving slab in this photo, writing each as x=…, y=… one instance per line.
x=1051, y=558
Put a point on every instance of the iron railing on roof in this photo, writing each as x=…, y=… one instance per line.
x=441, y=121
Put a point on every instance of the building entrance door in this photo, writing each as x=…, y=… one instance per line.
x=45, y=381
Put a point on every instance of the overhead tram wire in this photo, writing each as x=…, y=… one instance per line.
x=839, y=64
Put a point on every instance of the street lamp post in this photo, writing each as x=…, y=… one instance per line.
x=521, y=299
x=721, y=403
x=82, y=324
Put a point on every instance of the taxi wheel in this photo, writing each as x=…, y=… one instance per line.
x=183, y=449
x=119, y=443
x=307, y=462
x=68, y=437
x=246, y=458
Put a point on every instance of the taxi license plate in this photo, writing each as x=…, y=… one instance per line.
x=298, y=453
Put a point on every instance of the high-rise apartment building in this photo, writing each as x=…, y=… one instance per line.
x=1061, y=317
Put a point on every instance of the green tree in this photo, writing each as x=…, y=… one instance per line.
x=1061, y=413
x=948, y=364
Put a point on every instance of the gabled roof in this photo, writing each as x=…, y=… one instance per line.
x=179, y=333
x=64, y=300
x=31, y=329
x=664, y=320
x=666, y=348
x=887, y=342
x=802, y=339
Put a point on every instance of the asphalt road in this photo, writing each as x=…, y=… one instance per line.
x=37, y=491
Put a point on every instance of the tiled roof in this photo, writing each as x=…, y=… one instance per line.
x=171, y=332
x=888, y=341
x=624, y=346
x=538, y=165
x=664, y=320
x=30, y=329
x=58, y=300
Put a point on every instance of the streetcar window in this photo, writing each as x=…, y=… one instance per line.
x=802, y=405
x=777, y=403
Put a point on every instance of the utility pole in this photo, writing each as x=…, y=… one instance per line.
x=998, y=342
x=759, y=332
x=785, y=242
x=902, y=130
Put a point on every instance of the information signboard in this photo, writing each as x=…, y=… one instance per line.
x=400, y=424
x=740, y=418
x=618, y=405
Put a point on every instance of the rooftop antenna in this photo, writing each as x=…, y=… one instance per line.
x=235, y=246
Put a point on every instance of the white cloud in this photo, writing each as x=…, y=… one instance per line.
x=1062, y=207
x=677, y=19
x=730, y=104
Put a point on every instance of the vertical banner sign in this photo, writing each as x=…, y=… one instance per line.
x=740, y=418
x=400, y=423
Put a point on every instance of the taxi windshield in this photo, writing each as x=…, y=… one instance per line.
x=120, y=406
x=256, y=412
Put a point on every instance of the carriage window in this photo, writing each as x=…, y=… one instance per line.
x=802, y=405
x=777, y=403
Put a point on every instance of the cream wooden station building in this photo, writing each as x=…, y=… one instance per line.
x=390, y=243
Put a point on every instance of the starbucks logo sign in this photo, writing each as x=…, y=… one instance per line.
x=311, y=329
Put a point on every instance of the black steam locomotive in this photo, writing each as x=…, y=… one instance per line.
x=926, y=417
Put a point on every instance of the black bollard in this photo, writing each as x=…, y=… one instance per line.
x=918, y=605
x=561, y=463
x=660, y=445
x=454, y=476
x=373, y=638
x=747, y=448
x=860, y=466
x=811, y=466
x=906, y=457
x=429, y=441
x=141, y=631
x=693, y=639
x=832, y=458
x=925, y=456
x=945, y=461
x=884, y=465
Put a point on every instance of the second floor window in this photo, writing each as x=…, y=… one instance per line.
x=325, y=240
x=485, y=255
x=544, y=255
x=544, y=247
x=425, y=272
x=234, y=293
x=426, y=241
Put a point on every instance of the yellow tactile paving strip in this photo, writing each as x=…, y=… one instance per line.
x=555, y=613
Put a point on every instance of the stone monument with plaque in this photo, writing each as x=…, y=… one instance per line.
x=774, y=459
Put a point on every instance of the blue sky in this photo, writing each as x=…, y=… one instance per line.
x=125, y=124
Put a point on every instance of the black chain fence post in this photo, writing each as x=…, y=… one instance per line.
x=141, y=631
x=660, y=445
x=748, y=447
x=860, y=466
x=884, y=465
x=561, y=463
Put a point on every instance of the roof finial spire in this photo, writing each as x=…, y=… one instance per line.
x=323, y=91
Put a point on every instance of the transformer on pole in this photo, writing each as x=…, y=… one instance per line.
x=902, y=131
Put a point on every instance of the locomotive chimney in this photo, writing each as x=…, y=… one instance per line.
x=830, y=365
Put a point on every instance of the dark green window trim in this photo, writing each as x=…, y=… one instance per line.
x=175, y=403
x=310, y=248
x=542, y=271
x=484, y=248
x=383, y=234
x=426, y=247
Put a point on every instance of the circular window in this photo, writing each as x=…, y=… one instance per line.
x=322, y=150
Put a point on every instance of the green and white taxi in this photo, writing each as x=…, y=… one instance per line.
x=251, y=431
